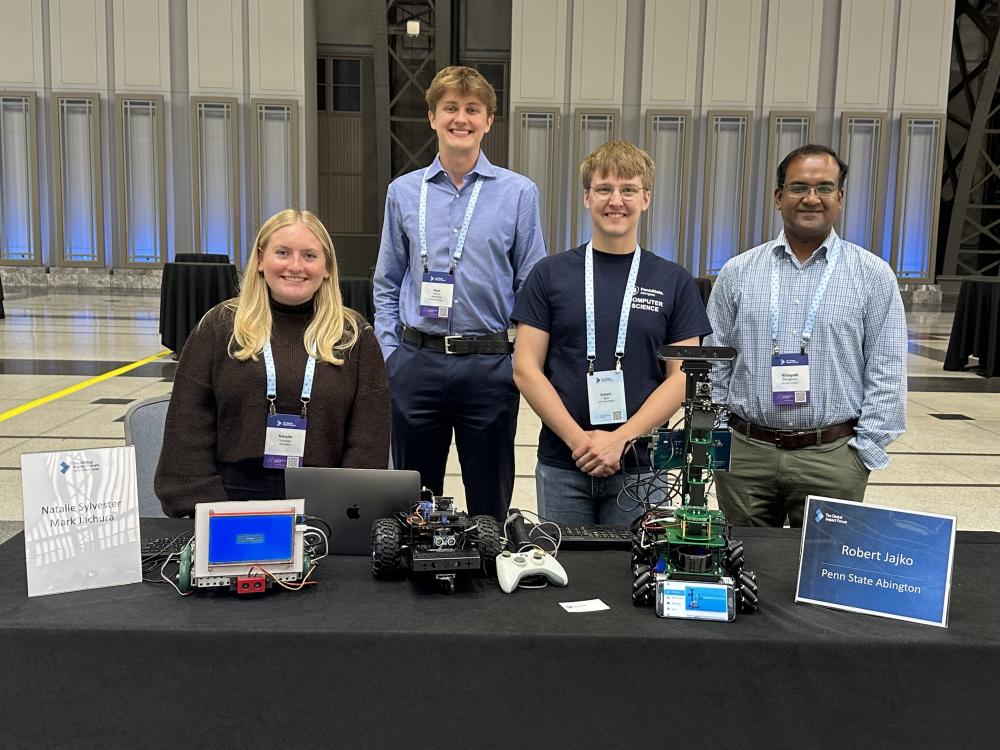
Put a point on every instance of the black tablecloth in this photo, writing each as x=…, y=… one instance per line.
x=187, y=292
x=356, y=663
x=2, y=314
x=976, y=328
x=201, y=258
x=357, y=294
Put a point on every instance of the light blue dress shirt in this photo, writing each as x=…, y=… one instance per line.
x=857, y=356
x=504, y=242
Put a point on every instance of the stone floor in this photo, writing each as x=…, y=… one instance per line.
x=948, y=461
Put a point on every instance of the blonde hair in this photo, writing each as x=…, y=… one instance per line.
x=619, y=159
x=333, y=329
x=467, y=81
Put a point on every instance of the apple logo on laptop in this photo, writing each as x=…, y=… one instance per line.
x=354, y=512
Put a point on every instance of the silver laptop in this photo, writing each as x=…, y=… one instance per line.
x=349, y=500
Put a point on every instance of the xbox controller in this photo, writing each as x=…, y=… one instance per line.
x=513, y=566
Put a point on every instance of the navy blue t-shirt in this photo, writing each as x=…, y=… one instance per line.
x=666, y=308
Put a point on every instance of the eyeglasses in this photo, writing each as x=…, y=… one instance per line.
x=801, y=190
x=627, y=192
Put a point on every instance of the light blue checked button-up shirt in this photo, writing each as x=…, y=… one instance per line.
x=503, y=243
x=857, y=355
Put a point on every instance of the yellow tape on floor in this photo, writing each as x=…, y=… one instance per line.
x=79, y=386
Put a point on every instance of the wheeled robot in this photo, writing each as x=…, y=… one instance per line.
x=690, y=542
x=435, y=539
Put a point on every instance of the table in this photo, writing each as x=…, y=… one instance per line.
x=976, y=328
x=357, y=294
x=187, y=292
x=355, y=662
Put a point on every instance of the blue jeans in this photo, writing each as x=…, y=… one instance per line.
x=569, y=496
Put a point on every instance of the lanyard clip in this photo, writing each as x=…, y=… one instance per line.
x=590, y=365
x=618, y=361
x=305, y=407
x=270, y=404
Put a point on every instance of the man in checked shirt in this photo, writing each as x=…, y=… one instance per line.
x=818, y=388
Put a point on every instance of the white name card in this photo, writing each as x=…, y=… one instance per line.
x=81, y=519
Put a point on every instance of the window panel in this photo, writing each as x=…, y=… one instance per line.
x=593, y=128
x=141, y=180
x=346, y=84
x=321, y=84
x=18, y=207
x=667, y=144
x=215, y=169
x=78, y=180
x=788, y=131
x=862, y=146
x=726, y=187
x=275, y=158
x=536, y=155
x=920, y=152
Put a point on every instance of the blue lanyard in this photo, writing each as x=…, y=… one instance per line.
x=633, y=274
x=832, y=254
x=422, y=222
x=272, y=379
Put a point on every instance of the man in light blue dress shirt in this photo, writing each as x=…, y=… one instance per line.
x=459, y=239
x=818, y=388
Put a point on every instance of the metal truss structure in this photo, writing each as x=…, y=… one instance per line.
x=404, y=67
x=971, y=180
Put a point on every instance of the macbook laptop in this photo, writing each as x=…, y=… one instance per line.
x=351, y=499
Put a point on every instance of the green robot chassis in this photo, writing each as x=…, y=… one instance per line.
x=691, y=542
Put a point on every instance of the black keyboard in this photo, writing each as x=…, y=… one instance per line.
x=165, y=545
x=595, y=537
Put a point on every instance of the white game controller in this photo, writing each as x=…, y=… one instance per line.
x=513, y=566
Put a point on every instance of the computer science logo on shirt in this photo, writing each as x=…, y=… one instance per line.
x=645, y=298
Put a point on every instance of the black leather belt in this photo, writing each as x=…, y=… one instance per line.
x=490, y=343
x=793, y=439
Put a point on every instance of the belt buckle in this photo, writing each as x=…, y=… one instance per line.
x=447, y=344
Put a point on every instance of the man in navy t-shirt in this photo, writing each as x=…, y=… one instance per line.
x=589, y=323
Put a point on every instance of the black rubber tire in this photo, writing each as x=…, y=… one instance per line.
x=747, y=592
x=643, y=586
x=733, y=562
x=640, y=556
x=387, y=538
x=488, y=536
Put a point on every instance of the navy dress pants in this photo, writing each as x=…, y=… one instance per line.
x=473, y=396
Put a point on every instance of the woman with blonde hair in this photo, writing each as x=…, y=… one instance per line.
x=282, y=375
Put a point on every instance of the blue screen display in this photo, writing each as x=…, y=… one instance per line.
x=250, y=538
x=705, y=599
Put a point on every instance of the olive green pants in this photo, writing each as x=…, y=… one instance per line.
x=766, y=484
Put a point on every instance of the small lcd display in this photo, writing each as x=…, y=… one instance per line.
x=250, y=538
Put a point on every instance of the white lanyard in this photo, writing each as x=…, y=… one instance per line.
x=831, y=258
x=626, y=308
x=272, y=379
x=422, y=222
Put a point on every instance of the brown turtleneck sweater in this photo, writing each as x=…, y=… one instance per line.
x=218, y=408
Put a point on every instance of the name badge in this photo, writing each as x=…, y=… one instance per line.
x=606, y=393
x=790, y=378
x=436, y=293
x=285, y=441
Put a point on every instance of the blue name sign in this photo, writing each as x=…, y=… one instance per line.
x=876, y=560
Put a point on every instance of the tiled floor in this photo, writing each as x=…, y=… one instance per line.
x=50, y=342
